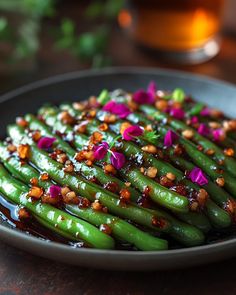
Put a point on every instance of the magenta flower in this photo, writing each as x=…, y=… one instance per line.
x=117, y=160
x=194, y=120
x=203, y=129
x=177, y=113
x=143, y=97
x=217, y=134
x=119, y=109
x=100, y=150
x=170, y=138
x=205, y=112
x=132, y=132
x=197, y=176
x=152, y=88
x=55, y=191
x=46, y=142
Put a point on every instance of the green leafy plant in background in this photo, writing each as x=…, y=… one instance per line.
x=91, y=46
x=21, y=21
x=20, y=25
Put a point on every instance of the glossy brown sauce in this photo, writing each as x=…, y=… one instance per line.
x=8, y=213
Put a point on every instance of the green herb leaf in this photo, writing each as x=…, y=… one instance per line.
x=103, y=97
x=178, y=95
x=150, y=136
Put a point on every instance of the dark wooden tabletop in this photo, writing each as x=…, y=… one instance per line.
x=23, y=273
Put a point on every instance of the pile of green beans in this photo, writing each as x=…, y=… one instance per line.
x=167, y=216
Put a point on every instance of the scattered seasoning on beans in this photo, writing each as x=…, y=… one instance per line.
x=23, y=151
x=188, y=133
x=151, y=149
x=23, y=214
x=220, y=181
x=229, y=152
x=105, y=228
x=35, y=192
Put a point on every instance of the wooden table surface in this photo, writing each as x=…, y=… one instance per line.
x=22, y=273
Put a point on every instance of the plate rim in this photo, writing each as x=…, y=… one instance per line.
x=15, y=233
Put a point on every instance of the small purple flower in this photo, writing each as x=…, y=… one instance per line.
x=119, y=109
x=197, y=176
x=117, y=160
x=203, y=129
x=46, y=142
x=205, y=112
x=217, y=134
x=177, y=113
x=152, y=89
x=132, y=132
x=100, y=150
x=55, y=191
x=170, y=138
x=143, y=97
x=194, y=120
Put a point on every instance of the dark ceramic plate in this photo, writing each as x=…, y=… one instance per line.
x=78, y=86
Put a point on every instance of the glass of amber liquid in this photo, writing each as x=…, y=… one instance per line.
x=186, y=31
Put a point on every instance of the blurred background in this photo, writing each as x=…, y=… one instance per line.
x=41, y=38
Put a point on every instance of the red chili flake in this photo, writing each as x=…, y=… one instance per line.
x=103, y=127
x=159, y=222
x=80, y=156
x=62, y=158
x=231, y=206
x=105, y=228
x=144, y=201
x=200, y=147
x=83, y=202
x=111, y=186
x=179, y=189
x=109, y=169
x=70, y=198
x=81, y=128
x=125, y=195
x=35, y=192
x=229, y=152
x=66, y=118
x=21, y=122
x=69, y=167
x=165, y=181
x=34, y=181
x=96, y=137
x=36, y=135
x=23, y=151
x=23, y=214
x=178, y=149
x=44, y=176
x=46, y=198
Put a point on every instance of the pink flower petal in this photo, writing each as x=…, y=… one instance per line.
x=197, y=176
x=132, y=132
x=117, y=160
x=118, y=109
x=109, y=106
x=170, y=138
x=152, y=89
x=100, y=150
x=205, y=112
x=143, y=97
x=46, y=142
x=203, y=129
x=177, y=113
x=217, y=134
x=194, y=120
x=54, y=191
